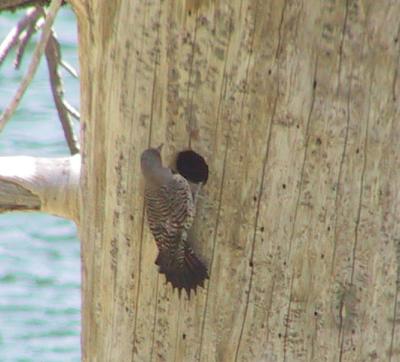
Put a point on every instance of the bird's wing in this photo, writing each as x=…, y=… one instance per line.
x=170, y=212
x=180, y=201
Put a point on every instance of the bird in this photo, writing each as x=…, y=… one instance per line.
x=170, y=207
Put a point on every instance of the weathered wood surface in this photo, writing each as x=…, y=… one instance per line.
x=295, y=106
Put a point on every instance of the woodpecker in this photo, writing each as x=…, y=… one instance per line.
x=170, y=209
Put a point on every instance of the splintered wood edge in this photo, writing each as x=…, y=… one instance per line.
x=14, y=197
x=40, y=184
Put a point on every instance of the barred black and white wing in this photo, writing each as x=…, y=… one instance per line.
x=170, y=214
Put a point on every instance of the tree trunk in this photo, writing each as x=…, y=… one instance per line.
x=294, y=105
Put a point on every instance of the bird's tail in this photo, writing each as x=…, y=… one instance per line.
x=184, y=270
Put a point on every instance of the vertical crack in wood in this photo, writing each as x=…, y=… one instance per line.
x=177, y=331
x=154, y=320
x=395, y=317
x=341, y=329
x=250, y=52
x=260, y=195
x=306, y=145
x=341, y=44
x=156, y=64
x=143, y=207
x=222, y=96
x=337, y=186
x=361, y=185
x=270, y=306
x=214, y=243
x=314, y=338
x=190, y=102
x=114, y=322
x=287, y=322
x=278, y=48
x=396, y=240
x=396, y=68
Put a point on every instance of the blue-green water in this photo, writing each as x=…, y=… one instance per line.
x=39, y=254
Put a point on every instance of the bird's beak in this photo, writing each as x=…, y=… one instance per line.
x=159, y=148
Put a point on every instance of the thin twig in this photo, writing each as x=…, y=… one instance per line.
x=53, y=58
x=69, y=68
x=71, y=110
x=38, y=52
x=13, y=36
x=24, y=39
x=40, y=24
x=15, y=4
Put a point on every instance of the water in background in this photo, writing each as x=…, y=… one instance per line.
x=39, y=254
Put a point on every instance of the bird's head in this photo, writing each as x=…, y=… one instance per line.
x=150, y=160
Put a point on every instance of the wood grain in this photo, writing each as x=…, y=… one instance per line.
x=294, y=105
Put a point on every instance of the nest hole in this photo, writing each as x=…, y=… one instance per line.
x=192, y=166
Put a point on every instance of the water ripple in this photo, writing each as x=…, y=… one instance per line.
x=39, y=254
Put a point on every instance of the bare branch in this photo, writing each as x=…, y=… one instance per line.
x=13, y=36
x=24, y=39
x=71, y=110
x=38, y=52
x=15, y=4
x=53, y=58
x=69, y=68
x=46, y=184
